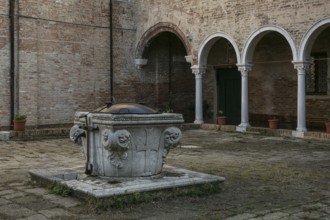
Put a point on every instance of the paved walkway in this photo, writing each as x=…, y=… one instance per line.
x=267, y=178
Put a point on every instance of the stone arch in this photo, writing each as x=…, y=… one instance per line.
x=155, y=31
x=256, y=36
x=207, y=44
x=310, y=36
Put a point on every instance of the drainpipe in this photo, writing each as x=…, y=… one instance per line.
x=111, y=51
x=12, y=59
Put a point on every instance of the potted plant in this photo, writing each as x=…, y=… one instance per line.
x=221, y=119
x=273, y=123
x=327, y=126
x=19, y=122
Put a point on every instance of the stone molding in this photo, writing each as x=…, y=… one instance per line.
x=198, y=71
x=301, y=66
x=244, y=69
x=156, y=30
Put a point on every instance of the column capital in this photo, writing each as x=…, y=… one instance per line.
x=198, y=71
x=139, y=63
x=301, y=65
x=244, y=68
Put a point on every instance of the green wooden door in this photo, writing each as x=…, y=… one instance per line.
x=229, y=94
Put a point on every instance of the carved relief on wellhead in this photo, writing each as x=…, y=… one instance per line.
x=76, y=133
x=117, y=145
x=172, y=137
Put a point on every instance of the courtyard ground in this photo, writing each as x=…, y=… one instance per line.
x=266, y=178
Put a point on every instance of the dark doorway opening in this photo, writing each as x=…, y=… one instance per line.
x=229, y=94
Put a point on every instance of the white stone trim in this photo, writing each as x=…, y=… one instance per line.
x=139, y=63
x=258, y=34
x=307, y=40
x=244, y=69
x=199, y=93
x=301, y=68
x=207, y=44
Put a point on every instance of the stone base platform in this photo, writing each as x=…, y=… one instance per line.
x=105, y=187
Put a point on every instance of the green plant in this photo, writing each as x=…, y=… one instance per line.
x=143, y=197
x=60, y=189
x=220, y=113
x=20, y=117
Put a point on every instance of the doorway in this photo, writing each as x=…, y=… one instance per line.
x=229, y=94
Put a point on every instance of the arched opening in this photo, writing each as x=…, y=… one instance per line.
x=222, y=82
x=168, y=84
x=318, y=79
x=154, y=32
x=272, y=81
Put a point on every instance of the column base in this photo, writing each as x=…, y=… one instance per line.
x=301, y=129
x=298, y=134
x=243, y=127
x=198, y=122
x=4, y=135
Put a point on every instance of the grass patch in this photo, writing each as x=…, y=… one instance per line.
x=144, y=197
x=60, y=189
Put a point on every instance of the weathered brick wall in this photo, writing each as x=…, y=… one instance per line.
x=317, y=106
x=4, y=64
x=63, y=59
x=167, y=79
x=273, y=85
x=64, y=53
x=127, y=80
x=236, y=18
x=273, y=82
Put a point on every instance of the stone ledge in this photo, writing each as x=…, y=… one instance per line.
x=37, y=134
x=105, y=187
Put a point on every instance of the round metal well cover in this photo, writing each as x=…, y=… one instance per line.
x=127, y=108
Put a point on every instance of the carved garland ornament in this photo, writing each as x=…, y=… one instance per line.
x=117, y=144
x=76, y=133
x=172, y=137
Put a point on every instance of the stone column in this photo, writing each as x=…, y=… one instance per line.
x=199, y=93
x=301, y=68
x=244, y=69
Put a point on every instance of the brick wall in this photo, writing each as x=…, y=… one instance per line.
x=63, y=60
x=273, y=79
x=4, y=64
x=62, y=63
x=317, y=106
x=236, y=18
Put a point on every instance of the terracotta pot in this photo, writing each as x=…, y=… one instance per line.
x=327, y=126
x=273, y=123
x=19, y=125
x=222, y=120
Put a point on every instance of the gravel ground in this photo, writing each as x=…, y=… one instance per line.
x=266, y=178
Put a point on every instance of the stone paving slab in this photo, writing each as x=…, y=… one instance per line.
x=104, y=187
x=35, y=217
x=16, y=211
x=280, y=178
x=56, y=212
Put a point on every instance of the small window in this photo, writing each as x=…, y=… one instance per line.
x=317, y=75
